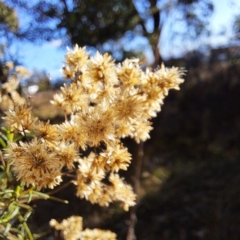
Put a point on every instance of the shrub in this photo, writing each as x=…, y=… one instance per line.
x=104, y=103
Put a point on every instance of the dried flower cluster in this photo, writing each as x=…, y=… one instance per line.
x=104, y=103
x=9, y=95
x=72, y=229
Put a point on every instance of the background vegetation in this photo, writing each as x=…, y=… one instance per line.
x=190, y=174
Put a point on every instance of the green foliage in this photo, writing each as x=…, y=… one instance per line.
x=8, y=19
x=236, y=27
x=104, y=24
x=12, y=198
x=15, y=209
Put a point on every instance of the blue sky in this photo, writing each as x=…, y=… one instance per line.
x=49, y=56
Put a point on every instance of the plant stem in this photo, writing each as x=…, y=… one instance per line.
x=135, y=173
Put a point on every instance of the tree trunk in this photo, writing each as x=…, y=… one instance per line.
x=157, y=55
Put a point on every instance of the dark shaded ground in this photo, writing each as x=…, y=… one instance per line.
x=191, y=173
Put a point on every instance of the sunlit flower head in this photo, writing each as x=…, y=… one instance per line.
x=72, y=229
x=129, y=73
x=88, y=176
x=97, y=234
x=70, y=132
x=97, y=126
x=101, y=70
x=122, y=192
x=169, y=78
x=68, y=154
x=20, y=118
x=77, y=59
x=129, y=108
x=117, y=157
x=48, y=132
x=34, y=164
x=9, y=96
x=141, y=132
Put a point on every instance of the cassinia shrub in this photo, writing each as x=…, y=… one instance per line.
x=104, y=103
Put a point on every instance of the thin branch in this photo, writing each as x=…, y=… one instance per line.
x=135, y=172
x=59, y=188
